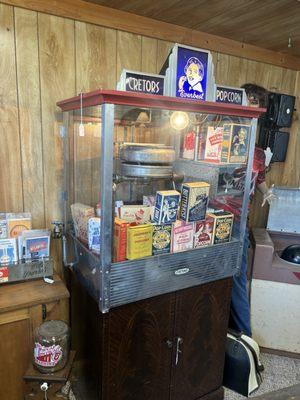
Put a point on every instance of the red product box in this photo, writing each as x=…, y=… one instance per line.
x=120, y=240
x=204, y=232
x=4, y=274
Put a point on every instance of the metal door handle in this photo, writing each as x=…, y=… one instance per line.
x=179, y=341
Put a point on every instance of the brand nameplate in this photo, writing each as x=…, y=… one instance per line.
x=142, y=83
x=182, y=271
x=229, y=95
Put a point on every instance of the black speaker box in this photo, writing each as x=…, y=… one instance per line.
x=280, y=109
x=277, y=141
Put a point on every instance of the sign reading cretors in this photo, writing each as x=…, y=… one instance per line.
x=132, y=81
x=230, y=95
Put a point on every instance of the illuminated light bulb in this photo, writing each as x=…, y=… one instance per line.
x=179, y=120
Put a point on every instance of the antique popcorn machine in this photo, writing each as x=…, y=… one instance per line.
x=122, y=151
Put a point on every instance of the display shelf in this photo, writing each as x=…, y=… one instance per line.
x=22, y=271
x=96, y=174
x=133, y=280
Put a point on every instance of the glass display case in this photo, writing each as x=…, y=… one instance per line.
x=156, y=192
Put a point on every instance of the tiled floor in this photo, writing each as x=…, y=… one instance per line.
x=280, y=372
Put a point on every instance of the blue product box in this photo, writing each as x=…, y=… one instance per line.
x=8, y=251
x=94, y=234
x=166, y=206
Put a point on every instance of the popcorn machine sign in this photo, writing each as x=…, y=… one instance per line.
x=47, y=356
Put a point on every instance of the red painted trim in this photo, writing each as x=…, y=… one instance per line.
x=99, y=97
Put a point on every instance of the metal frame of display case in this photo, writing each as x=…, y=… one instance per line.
x=115, y=284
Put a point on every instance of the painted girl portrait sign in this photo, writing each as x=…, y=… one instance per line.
x=191, y=74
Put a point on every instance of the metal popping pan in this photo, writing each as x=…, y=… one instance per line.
x=147, y=153
x=146, y=171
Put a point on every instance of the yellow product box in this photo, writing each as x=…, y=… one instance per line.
x=139, y=241
x=17, y=223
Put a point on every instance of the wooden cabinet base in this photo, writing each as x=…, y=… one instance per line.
x=24, y=306
x=169, y=347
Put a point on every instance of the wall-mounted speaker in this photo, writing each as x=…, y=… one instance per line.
x=277, y=141
x=280, y=109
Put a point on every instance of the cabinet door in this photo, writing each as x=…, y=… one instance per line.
x=201, y=325
x=15, y=346
x=138, y=356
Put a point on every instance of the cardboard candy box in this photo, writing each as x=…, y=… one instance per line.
x=223, y=222
x=161, y=240
x=139, y=241
x=3, y=226
x=194, y=199
x=235, y=143
x=17, y=223
x=94, y=234
x=182, y=236
x=166, y=206
x=204, y=232
x=135, y=213
x=120, y=240
x=213, y=147
x=81, y=214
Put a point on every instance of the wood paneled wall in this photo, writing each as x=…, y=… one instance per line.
x=44, y=58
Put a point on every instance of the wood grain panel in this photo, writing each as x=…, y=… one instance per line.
x=11, y=193
x=222, y=69
x=227, y=18
x=291, y=170
x=30, y=114
x=201, y=322
x=129, y=52
x=138, y=358
x=128, y=22
x=57, y=59
x=14, y=350
x=149, y=55
x=95, y=57
x=163, y=50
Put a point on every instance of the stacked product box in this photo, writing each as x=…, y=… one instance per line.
x=222, y=226
x=182, y=236
x=120, y=240
x=139, y=241
x=194, y=200
x=81, y=213
x=166, y=206
x=161, y=239
x=94, y=234
x=204, y=232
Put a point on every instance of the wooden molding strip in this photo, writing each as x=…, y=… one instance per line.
x=111, y=18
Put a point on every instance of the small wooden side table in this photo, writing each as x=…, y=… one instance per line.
x=56, y=381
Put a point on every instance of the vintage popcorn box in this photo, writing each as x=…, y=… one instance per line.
x=213, y=147
x=223, y=221
x=94, y=234
x=161, y=239
x=17, y=223
x=189, y=145
x=3, y=226
x=139, y=241
x=204, y=232
x=235, y=143
x=120, y=240
x=149, y=201
x=135, y=213
x=37, y=247
x=166, y=206
x=194, y=199
x=182, y=236
x=81, y=214
x=8, y=251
